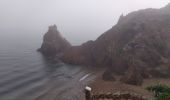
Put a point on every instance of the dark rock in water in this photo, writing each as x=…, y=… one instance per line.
x=143, y=36
x=53, y=42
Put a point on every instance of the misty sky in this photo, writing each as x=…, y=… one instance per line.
x=77, y=20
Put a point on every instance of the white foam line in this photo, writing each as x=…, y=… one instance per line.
x=84, y=77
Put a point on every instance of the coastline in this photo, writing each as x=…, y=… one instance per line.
x=73, y=88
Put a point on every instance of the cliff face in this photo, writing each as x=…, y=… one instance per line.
x=81, y=55
x=53, y=42
x=139, y=42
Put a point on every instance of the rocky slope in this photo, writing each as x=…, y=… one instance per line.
x=139, y=42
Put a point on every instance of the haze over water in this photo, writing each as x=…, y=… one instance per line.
x=26, y=73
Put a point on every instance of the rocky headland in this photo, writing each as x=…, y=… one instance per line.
x=53, y=43
x=137, y=47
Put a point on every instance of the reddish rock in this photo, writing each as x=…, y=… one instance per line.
x=132, y=76
x=143, y=35
x=53, y=42
x=81, y=55
x=107, y=76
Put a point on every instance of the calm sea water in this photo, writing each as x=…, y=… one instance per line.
x=26, y=75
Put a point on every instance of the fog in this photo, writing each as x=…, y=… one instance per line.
x=77, y=20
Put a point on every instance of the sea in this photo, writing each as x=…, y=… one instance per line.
x=26, y=74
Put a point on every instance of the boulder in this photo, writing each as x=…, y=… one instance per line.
x=107, y=76
x=132, y=76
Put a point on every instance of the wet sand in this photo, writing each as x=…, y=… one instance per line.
x=71, y=89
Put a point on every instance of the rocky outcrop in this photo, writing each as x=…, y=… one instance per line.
x=132, y=76
x=143, y=36
x=53, y=42
x=107, y=76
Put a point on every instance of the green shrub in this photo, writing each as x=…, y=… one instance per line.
x=161, y=91
x=163, y=96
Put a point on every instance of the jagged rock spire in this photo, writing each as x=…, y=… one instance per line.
x=121, y=18
x=52, y=27
x=53, y=42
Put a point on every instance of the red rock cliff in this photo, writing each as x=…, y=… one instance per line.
x=141, y=37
